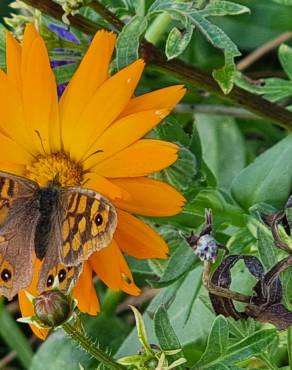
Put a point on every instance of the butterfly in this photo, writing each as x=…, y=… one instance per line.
x=61, y=226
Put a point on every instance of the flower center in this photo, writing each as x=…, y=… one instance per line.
x=55, y=166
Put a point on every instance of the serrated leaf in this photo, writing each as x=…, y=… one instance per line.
x=268, y=179
x=165, y=333
x=177, y=41
x=127, y=47
x=285, y=57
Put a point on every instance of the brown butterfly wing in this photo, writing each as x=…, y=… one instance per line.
x=88, y=224
x=53, y=273
x=19, y=215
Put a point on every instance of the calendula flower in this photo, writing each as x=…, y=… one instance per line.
x=92, y=137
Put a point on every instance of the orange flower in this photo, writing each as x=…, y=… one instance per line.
x=91, y=137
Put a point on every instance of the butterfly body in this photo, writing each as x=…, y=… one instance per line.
x=61, y=226
x=47, y=203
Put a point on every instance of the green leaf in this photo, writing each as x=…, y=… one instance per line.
x=64, y=73
x=2, y=46
x=283, y=2
x=182, y=10
x=127, y=47
x=230, y=356
x=266, y=247
x=222, y=145
x=221, y=8
x=181, y=174
x=191, y=332
x=181, y=260
x=13, y=336
x=285, y=57
x=226, y=75
x=217, y=342
x=268, y=179
x=165, y=333
x=177, y=41
x=141, y=330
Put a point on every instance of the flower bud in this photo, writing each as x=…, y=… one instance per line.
x=53, y=308
x=151, y=364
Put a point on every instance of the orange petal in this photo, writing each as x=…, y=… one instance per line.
x=139, y=159
x=165, y=98
x=40, y=99
x=123, y=133
x=103, y=186
x=30, y=34
x=149, y=197
x=26, y=307
x=137, y=239
x=12, y=152
x=12, y=121
x=91, y=73
x=13, y=60
x=104, y=107
x=85, y=292
x=111, y=267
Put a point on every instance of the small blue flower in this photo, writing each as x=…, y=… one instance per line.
x=64, y=33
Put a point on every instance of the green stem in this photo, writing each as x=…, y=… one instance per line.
x=90, y=348
x=289, y=345
x=157, y=28
x=110, y=302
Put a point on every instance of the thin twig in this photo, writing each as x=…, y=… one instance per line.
x=184, y=72
x=220, y=291
x=7, y=359
x=262, y=50
x=221, y=110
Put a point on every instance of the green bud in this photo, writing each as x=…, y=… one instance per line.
x=53, y=308
x=151, y=364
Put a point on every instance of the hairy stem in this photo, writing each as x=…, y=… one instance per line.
x=184, y=72
x=90, y=348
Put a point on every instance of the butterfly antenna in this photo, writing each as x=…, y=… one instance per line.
x=41, y=140
x=91, y=154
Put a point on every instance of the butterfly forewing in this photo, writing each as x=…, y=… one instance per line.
x=18, y=218
x=88, y=225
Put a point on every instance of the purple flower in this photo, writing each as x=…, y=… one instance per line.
x=64, y=33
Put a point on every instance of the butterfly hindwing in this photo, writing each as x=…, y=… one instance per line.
x=88, y=224
x=53, y=273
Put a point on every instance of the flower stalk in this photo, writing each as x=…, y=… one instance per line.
x=182, y=71
x=89, y=347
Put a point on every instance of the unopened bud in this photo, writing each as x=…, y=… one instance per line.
x=151, y=364
x=53, y=308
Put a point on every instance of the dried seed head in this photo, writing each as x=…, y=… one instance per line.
x=206, y=248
